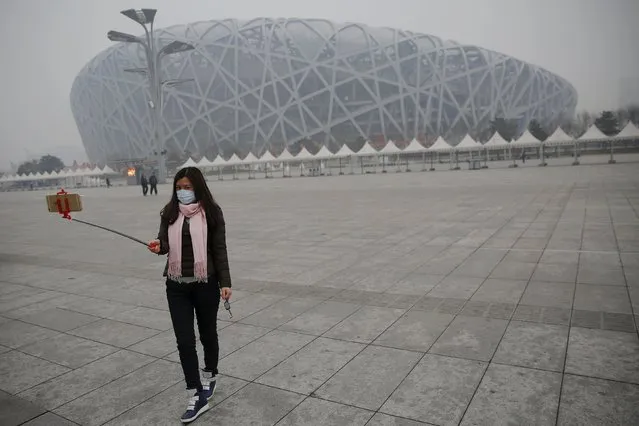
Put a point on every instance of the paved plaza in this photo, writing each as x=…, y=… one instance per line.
x=492, y=297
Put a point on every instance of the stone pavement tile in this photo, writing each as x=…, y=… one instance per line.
x=145, y=317
x=381, y=280
x=444, y=306
x=14, y=334
x=321, y=318
x=315, y=411
x=416, y=331
x=630, y=260
x=632, y=277
x=21, y=371
x=459, y=287
x=99, y=307
x=236, y=336
x=560, y=257
x=532, y=345
x=597, y=275
x=15, y=411
x=515, y=395
x=560, y=272
x=499, y=243
x=380, y=419
x=250, y=305
x=415, y=284
x=261, y=355
x=603, y=321
x=558, y=295
x=530, y=244
x=281, y=312
x=165, y=408
x=309, y=368
x=599, y=260
x=365, y=325
x=603, y=354
x=488, y=309
x=628, y=245
x=542, y=314
x=588, y=401
x=70, y=351
x=602, y=298
x=470, y=338
x=114, y=333
x=78, y=382
x=4, y=349
x=59, y=319
x=527, y=256
x=17, y=300
x=253, y=405
x=513, y=270
x=113, y=399
x=480, y=263
x=369, y=378
x=158, y=346
x=500, y=291
x=48, y=419
x=45, y=305
x=437, y=391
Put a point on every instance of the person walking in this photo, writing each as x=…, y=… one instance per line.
x=145, y=184
x=193, y=234
x=153, y=181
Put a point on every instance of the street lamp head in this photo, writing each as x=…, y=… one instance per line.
x=123, y=37
x=141, y=16
x=176, y=47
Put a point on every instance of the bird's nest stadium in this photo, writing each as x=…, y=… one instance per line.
x=269, y=83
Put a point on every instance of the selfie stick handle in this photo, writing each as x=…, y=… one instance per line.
x=110, y=230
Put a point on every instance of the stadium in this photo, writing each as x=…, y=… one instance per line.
x=267, y=84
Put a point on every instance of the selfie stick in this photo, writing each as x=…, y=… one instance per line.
x=61, y=201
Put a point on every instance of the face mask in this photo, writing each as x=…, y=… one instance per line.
x=185, y=196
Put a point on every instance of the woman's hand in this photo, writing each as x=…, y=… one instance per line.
x=154, y=246
x=226, y=293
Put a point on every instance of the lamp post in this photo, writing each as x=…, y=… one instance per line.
x=146, y=17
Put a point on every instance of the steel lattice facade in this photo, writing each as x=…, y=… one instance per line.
x=270, y=82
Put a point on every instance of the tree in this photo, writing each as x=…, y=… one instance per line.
x=608, y=123
x=49, y=163
x=508, y=129
x=633, y=114
x=537, y=130
x=578, y=125
x=29, y=167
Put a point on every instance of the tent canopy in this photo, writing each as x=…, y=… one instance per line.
x=559, y=137
x=593, y=134
x=629, y=132
x=285, y=155
x=323, y=153
x=440, y=145
x=366, y=150
x=344, y=151
x=390, y=148
x=414, y=147
x=250, y=159
x=496, y=141
x=468, y=143
x=527, y=139
x=189, y=163
x=267, y=157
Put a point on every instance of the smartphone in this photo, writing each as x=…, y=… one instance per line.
x=72, y=202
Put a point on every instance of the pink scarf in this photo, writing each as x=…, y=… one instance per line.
x=199, y=230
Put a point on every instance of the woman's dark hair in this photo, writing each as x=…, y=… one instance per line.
x=213, y=212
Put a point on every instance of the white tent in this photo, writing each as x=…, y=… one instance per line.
x=108, y=171
x=285, y=155
x=304, y=154
x=234, y=160
x=440, y=145
x=496, y=142
x=559, y=137
x=267, y=157
x=204, y=162
x=323, y=153
x=189, y=163
x=390, y=149
x=219, y=161
x=366, y=150
x=414, y=147
x=250, y=159
x=468, y=143
x=629, y=132
x=593, y=134
x=526, y=140
x=344, y=151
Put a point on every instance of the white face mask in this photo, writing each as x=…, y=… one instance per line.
x=185, y=196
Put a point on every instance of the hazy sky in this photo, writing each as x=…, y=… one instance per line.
x=592, y=43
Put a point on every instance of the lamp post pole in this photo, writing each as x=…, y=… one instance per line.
x=153, y=68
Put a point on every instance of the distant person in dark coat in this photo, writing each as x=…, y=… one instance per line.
x=145, y=185
x=153, y=181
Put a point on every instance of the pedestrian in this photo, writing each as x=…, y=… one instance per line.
x=145, y=184
x=108, y=183
x=193, y=234
x=153, y=181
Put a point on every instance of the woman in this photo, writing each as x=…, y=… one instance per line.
x=192, y=233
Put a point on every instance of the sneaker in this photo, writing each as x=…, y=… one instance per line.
x=208, y=389
x=198, y=404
